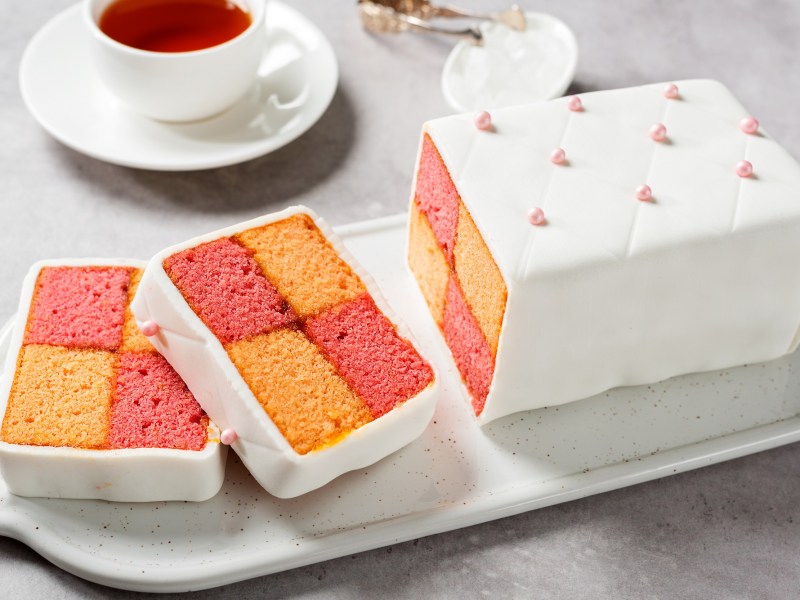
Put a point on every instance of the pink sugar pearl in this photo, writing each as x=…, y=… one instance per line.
x=228, y=436
x=644, y=193
x=671, y=91
x=536, y=216
x=744, y=168
x=558, y=156
x=749, y=125
x=658, y=132
x=574, y=104
x=483, y=120
x=149, y=328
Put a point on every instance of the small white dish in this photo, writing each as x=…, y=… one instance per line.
x=511, y=67
x=297, y=81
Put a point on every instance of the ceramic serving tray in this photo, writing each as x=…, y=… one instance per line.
x=455, y=475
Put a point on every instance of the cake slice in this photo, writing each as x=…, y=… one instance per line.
x=286, y=343
x=90, y=408
x=616, y=238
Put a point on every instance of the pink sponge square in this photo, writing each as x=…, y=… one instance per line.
x=469, y=348
x=362, y=344
x=437, y=197
x=79, y=307
x=225, y=287
x=153, y=408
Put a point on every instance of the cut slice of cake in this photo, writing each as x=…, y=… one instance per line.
x=616, y=238
x=90, y=408
x=285, y=341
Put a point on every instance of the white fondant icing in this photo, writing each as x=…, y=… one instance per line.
x=614, y=291
x=122, y=475
x=199, y=357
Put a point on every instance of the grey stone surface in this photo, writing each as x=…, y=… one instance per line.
x=727, y=531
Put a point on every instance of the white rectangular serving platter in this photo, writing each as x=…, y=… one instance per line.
x=455, y=475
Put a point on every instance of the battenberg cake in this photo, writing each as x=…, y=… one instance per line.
x=284, y=340
x=608, y=239
x=90, y=408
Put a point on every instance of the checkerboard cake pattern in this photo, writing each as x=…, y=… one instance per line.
x=87, y=378
x=301, y=328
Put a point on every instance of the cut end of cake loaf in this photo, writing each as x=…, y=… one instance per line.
x=86, y=377
x=327, y=361
x=458, y=277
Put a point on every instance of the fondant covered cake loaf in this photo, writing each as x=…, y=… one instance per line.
x=285, y=343
x=616, y=238
x=91, y=409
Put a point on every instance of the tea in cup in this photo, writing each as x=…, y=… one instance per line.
x=177, y=60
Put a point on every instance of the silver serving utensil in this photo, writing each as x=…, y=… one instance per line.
x=395, y=16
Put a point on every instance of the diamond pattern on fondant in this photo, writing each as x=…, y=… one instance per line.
x=692, y=174
x=773, y=192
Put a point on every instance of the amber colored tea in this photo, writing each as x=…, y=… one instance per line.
x=173, y=25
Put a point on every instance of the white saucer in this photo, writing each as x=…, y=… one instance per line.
x=296, y=84
x=511, y=67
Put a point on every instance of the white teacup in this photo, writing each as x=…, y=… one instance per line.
x=178, y=86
